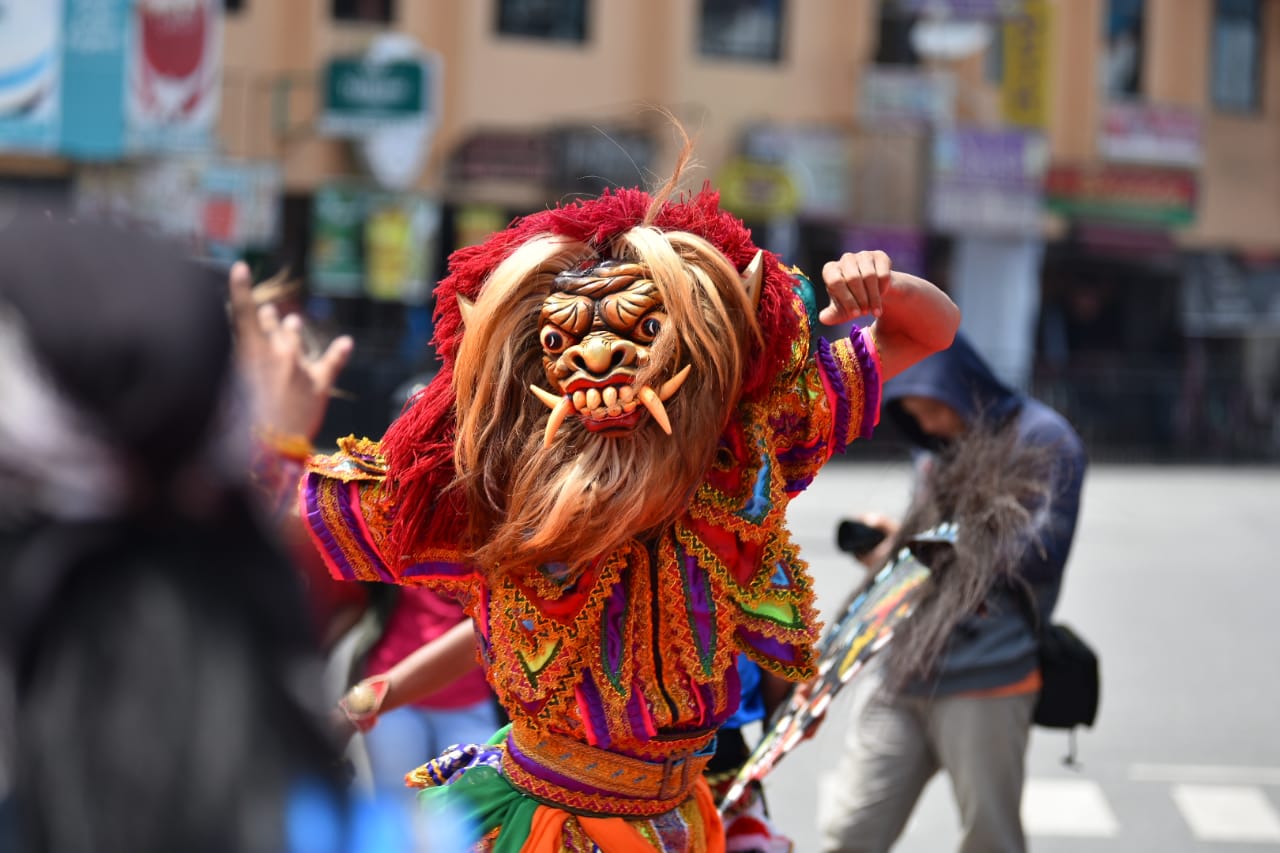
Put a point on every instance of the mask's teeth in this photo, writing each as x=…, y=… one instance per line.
x=673, y=384
x=659, y=412
x=558, y=414
x=549, y=400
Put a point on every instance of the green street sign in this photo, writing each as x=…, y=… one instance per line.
x=361, y=96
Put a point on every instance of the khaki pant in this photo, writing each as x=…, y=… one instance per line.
x=893, y=747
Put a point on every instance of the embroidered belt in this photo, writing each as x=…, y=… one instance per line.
x=579, y=778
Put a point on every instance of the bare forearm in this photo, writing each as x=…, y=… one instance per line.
x=917, y=320
x=432, y=667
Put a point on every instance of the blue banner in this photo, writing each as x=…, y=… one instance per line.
x=93, y=121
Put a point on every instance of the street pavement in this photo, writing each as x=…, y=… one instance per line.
x=1175, y=581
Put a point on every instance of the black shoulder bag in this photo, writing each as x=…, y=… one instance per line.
x=1070, y=678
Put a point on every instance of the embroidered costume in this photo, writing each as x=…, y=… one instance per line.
x=617, y=669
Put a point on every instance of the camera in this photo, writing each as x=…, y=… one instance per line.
x=856, y=538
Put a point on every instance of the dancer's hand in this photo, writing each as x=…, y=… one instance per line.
x=856, y=284
x=914, y=319
x=291, y=388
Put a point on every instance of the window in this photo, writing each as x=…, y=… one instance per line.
x=374, y=11
x=554, y=20
x=1122, y=51
x=742, y=29
x=1237, y=55
x=893, y=36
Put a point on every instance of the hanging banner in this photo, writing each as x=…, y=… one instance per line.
x=987, y=181
x=174, y=73
x=1152, y=134
x=95, y=33
x=1024, y=86
x=910, y=96
x=104, y=79
x=818, y=158
x=1135, y=194
x=30, y=74
x=239, y=207
x=961, y=9
x=337, y=241
x=401, y=239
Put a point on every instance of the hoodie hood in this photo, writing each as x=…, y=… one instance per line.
x=958, y=377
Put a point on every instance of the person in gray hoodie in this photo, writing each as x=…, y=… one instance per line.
x=958, y=686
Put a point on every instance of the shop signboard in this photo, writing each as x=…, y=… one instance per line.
x=102, y=79
x=362, y=96
x=173, y=70
x=240, y=207
x=337, y=241
x=757, y=191
x=1024, y=79
x=913, y=96
x=31, y=50
x=987, y=181
x=217, y=207
x=1152, y=134
x=1224, y=296
x=95, y=35
x=401, y=238
x=499, y=155
x=1134, y=194
x=962, y=9
x=819, y=160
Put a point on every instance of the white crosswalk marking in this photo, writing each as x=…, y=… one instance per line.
x=1067, y=807
x=1227, y=812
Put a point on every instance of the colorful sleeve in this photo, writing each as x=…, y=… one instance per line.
x=346, y=508
x=828, y=396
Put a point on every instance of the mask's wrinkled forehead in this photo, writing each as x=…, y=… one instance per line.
x=598, y=278
x=616, y=294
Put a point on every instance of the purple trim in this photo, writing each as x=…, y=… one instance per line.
x=637, y=718
x=792, y=487
x=613, y=636
x=355, y=524
x=321, y=533
x=437, y=568
x=768, y=646
x=589, y=693
x=828, y=363
x=871, y=382
x=700, y=608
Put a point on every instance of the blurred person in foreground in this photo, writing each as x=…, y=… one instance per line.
x=156, y=671
x=958, y=685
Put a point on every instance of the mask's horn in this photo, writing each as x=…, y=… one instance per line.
x=753, y=280
x=465, y=307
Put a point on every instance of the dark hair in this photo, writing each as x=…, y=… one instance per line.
x=159, y=657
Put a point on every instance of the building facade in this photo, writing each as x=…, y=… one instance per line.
x=1095, y=180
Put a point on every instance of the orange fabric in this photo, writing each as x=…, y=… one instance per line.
x=712, y=827
x=1030, y=684
x=546, y=833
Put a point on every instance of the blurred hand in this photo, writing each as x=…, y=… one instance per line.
x=290, y=388
x=856, y=284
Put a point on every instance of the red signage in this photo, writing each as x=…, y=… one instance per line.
x=1123, y=194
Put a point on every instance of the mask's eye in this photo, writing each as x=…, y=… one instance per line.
x=553, y=341
x=649, y=328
